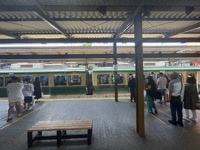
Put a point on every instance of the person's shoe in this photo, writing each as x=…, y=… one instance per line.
x=170, y=121
x=156, y=111
x=180, y=124
x=187, y=119
x=9, y=119
x=29, y=108
x=193, y=119
x=150, y=112
x=19, y=115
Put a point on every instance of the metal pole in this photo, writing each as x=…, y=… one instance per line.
x=115, y=68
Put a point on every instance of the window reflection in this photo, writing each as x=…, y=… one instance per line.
x=74, y=80
x=23, y=78
x=120, y=78
x=60, y=80
x=103, y=78
x=44, y=80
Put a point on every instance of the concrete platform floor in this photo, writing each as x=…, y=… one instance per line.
x=114, y=126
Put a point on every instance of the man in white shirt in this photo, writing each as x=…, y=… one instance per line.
x=15, y=96
x=162, y=85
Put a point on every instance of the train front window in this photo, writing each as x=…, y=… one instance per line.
x=103, y=78
x=119, y=78
x=60, y=80
x=1, y=81
x=74, y=80
x=44, y=80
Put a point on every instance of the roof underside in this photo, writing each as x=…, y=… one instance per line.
x=32, y=21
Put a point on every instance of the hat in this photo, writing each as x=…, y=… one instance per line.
x=174, y=75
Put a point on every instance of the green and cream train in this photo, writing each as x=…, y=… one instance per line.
x=68, y=81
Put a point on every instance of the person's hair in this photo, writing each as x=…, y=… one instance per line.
x=161, y=73
x=150, y=80
x=191, y=80
x=174, y=75
x=37, y=79
x=14, y=78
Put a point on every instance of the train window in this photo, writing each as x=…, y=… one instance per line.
x=74, y=80
x=120, y=78
x=44, y=80
x=7, y=80
x=1, y=81
x=23, y=78
x=60, y=80
x=103, y=78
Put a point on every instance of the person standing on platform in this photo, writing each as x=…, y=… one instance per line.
x=131, y=85
x=190, y=98
x=15, y=96
x=37, y=89
x=176, y=91
x=28, y=93
x=154, y=77
x=151, y=91
x=162, y=85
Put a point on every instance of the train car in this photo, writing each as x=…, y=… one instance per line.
x=54, y=81
x=104, y=79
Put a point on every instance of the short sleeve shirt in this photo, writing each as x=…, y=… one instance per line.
x=28, y=89
x=162, y=83
x=175, y=86
x=15, y=91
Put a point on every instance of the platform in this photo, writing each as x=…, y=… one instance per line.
x=114, y=125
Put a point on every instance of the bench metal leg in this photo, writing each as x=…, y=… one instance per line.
x=89, y=136
x=30, y=139
x=39, y=132
x=59, y=138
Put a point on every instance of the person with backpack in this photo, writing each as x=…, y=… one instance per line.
x=151, y=90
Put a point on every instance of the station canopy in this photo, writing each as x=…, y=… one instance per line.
x=86, y=29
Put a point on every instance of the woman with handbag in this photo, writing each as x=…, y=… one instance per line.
x=190, y=98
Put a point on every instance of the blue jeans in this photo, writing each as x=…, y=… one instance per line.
x=176, y=106
x=150, y=103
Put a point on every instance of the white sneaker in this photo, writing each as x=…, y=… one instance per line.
x=29, y=108
x=19, y=115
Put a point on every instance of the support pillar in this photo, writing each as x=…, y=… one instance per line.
x=115, y=69
x=139, y=75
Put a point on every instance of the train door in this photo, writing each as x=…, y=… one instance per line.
x=1, y=81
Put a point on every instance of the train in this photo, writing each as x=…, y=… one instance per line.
x=99, y=80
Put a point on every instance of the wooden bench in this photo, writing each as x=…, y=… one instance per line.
x=61, y=128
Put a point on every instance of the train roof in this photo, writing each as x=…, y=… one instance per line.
x=67, y=70
x=108, y=69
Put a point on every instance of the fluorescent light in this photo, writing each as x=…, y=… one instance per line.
x=39, y=45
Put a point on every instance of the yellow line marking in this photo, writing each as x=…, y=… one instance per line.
x=81, y=98
x=23, y=117
x=3, y=100
x=164, y=113
x=156, y=117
